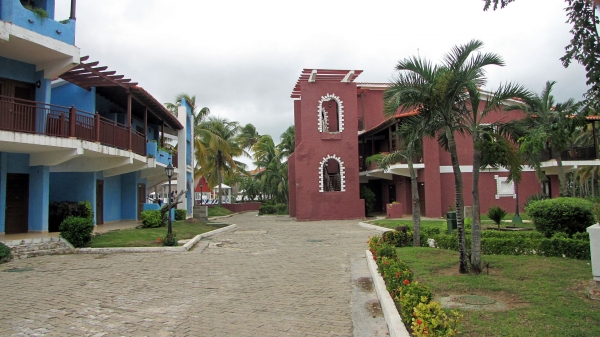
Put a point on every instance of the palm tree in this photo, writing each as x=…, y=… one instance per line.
x=199, y=116
x=439, y=93
x=216, y=148
x=473, y=125
x=550, y=125
x=412, y=146
x=274, y=176
x=247, y=137
x=287, y=144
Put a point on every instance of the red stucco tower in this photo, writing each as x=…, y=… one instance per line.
x=323, y=170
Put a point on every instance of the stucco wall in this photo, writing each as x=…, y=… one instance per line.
x=68, y=95
x=311, y=204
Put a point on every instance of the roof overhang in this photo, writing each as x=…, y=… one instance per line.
x=319, y=75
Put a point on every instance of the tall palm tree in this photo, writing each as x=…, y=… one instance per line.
x=248, y=136
x=199, y=116
x=479, y=110
x=220, y=146
x=274, y=176
x=550, y=125
x=287, y=144
x=439, y=93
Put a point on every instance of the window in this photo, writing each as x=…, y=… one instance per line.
x=504, y=188
x=332, y=175
x=331, y=114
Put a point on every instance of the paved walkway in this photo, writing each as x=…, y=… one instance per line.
x=270, y=277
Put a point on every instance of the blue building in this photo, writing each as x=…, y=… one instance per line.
x=71, y=130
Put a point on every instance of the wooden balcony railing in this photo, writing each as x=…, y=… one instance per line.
x=53, y=120
x=573, y=153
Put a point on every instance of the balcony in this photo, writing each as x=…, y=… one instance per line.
x=12, y=11
x=161, y=155
x=575, y=153
x=52, y=120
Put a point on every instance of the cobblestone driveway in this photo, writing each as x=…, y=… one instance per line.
x=270, y=277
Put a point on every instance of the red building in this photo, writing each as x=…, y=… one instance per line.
x=339, y=123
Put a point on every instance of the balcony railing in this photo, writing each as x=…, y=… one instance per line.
x=573, y=153
x=373, y=166
x=53, y=120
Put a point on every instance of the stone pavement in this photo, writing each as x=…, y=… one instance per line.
x=270, y=277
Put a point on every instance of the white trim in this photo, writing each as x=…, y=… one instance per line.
x=342, y=173
x=346, y=78
x=469, y=169
x=323, y=122
x=313, y=76
x=499, y=181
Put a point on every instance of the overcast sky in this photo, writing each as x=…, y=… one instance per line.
x=242, y=58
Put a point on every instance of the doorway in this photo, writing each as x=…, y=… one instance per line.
x=141, y=192
x=421, y=189
x=17, y=203
x=99, y=202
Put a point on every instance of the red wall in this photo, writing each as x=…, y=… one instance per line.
x=292, y=184
x=247, y=206
x=373, y=103
x=311, y=204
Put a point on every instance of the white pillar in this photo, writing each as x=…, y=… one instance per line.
x=594, y=232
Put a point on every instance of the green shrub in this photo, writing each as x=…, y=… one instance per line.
x=596, y=211
x=170, y=240
x=468, y=223
x=77, y=230
x=266, y=209
x=180, y=214
x=561, y=247
x=395, y=273
x=583, y=236
x=568, y=215
x=496, y=214
x=429, y=319
x=397, y=238
x=58, y=211
x=151, y=218
x=385, y=250
x=410, y=296
x=369, y=197
x=534, y=198
x=281, y=209
x=5, y=253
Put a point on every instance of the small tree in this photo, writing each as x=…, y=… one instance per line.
x=497, y=214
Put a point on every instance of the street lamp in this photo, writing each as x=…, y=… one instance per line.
x=200, y=193
x=169, y=170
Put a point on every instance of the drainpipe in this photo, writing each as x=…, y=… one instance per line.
x=73, y=6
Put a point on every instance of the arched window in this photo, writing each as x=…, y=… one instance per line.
x=332, y=175
x=331, y=114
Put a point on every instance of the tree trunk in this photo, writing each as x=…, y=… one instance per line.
x=416, y=205
x=458, y=185
x=562, y=179
x=219, y=179
x=476, y=224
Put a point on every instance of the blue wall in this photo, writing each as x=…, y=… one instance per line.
x=112, y=199
x=73, y=186
x=13, y=11
x=129, y=196
x=39, y=203
x=69, y=94
x=18, y=71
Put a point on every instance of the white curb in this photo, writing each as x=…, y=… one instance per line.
x=377, y=228
x=183, y=248
x=392, y=317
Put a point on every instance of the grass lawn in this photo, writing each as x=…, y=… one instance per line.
x=148, y=237
x=545, y=295
x=218, y=211
x=441, y=224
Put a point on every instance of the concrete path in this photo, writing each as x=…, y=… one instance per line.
x=270, y=277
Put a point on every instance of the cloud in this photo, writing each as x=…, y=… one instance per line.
x=242, y=58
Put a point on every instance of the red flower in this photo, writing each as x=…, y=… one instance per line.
x=397, y=274
x=418, y=322
x=406, y=282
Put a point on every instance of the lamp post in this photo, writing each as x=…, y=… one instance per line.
x=201, y=193
x=169, y=170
